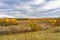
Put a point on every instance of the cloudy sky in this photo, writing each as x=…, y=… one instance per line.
x=30, y=8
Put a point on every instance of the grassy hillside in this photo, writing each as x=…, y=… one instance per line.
x=30, y=29
x=37, y=35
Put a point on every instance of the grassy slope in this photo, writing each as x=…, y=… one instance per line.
x=38, y=35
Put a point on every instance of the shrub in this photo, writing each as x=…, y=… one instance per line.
x=33, y=27
x=7, y=22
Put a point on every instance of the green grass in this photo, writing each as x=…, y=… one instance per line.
x=38, y=35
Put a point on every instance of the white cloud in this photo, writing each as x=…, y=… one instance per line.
x=6, y=16
x=18, y=7
x=47, y=6
x=21, y=15
x=51, y=5
x=38, y=1
x=26, y=8
x=36, y=11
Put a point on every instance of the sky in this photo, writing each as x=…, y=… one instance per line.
x=30, y=8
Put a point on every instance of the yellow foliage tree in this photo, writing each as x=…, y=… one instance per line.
x=52, y=21
x=8, y=21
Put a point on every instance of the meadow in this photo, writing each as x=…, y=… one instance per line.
x=30, y=29
x=37, y=35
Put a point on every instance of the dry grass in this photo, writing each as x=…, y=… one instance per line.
x=48, y=34
x=38, y=35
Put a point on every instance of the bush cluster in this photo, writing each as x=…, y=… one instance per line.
x=7, y=22
x=33, y=27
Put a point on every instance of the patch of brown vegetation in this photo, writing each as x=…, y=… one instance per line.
x=27, y=25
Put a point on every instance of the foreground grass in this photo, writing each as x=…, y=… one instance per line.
x=38, y=35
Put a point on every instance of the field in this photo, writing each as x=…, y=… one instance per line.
x=38, y=35
x=30, y=29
